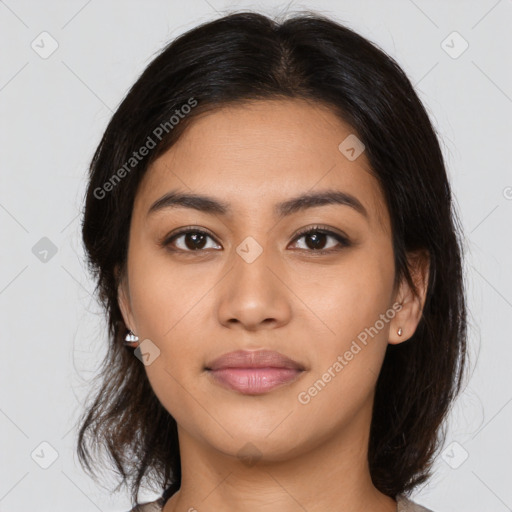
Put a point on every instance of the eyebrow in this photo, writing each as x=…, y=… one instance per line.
x=206, y=204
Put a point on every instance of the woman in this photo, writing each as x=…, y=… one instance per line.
x=270, y=223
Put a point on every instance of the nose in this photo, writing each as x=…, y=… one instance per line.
x=254, y=295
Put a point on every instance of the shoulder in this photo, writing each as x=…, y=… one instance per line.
x=153, y=506
x=406, y=505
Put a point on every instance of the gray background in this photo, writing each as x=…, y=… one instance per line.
x=53, y=111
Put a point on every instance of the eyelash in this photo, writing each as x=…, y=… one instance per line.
x=345, y=242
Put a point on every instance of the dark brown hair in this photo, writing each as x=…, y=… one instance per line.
x=246, y=57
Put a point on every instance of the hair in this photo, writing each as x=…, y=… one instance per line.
x=244, y=57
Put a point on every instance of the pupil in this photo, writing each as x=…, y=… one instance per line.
x=317, y=238
x=195, y=244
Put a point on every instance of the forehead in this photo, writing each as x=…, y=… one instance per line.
x=256, y=154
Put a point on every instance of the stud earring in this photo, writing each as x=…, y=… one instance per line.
x=130, y=338
x=399, y=332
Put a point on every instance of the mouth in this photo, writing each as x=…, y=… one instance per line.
x=254, y=373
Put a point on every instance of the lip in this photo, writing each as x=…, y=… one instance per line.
x=254, y=372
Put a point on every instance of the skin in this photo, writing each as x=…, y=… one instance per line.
x=197, y=305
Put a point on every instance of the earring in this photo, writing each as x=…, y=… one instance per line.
x=399, y=332
x=130, y=338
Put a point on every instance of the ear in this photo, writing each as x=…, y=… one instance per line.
x=409, y=316
x=123, y=300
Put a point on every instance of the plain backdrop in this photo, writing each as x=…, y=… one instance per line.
x=65, y=67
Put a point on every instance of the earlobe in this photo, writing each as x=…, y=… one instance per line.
x=406, y=320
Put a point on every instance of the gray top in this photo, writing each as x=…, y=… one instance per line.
x=403, y=505
x=406, y=505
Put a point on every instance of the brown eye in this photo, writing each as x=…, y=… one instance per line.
x=188, y=240
x=316, y=240
x=322, y=240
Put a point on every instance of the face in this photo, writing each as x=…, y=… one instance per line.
x=258, y=270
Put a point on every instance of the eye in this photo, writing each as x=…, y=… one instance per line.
x=316, y=238
x=192, y=239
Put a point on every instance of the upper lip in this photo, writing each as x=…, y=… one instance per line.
x=253, y=359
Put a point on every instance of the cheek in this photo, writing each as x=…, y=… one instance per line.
x=347, y=297
x=165, y=294
x=166, y=302
x=348, y=358
x=352, y=302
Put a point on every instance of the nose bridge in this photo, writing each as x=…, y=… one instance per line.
x=251, y=269
x=252, y=293
x=252, y=264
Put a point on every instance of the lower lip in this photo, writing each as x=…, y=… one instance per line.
x=254, y=381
